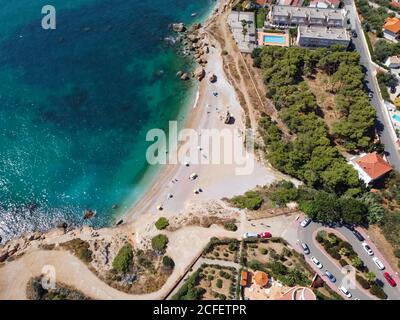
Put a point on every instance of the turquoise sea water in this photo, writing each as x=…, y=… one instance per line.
x=76, y=103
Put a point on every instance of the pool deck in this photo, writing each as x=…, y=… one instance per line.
x=261, y=41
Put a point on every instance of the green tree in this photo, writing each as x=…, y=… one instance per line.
x=123, y=260
x=159, y=242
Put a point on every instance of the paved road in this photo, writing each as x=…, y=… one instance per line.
x=383, y=126
x=307, y=235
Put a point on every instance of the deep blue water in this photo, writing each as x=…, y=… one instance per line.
x=76, y=103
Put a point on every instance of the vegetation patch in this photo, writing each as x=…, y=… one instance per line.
x=162, y=223
x=123, y=260
x=35, y=291
x=79, y=248
x=159, y=242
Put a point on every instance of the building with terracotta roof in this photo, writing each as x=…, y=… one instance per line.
x=393, y=62
x=261, y=278
x=244, y=278
x=370, y=167
x=395, y=3
x=391, y=29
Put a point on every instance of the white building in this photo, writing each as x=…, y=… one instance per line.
x=324, y=4
x=294, y=16
x=317, y=36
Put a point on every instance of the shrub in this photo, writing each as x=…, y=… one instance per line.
x=219, y=283
x=397, y=253
x=168, y=262
x=123, y=260
x=334, y=254
x=230, y=226
x=159, y=242
x=162, y=223
x=210, y=277
x=79, y=248
x=363, y=282
x=378, y=291
x=250, y=200
x=263, y=250
x=232, y=246
x=343, y=262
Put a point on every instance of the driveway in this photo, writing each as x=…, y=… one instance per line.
x=307, y=235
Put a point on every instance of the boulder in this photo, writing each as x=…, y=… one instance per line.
x=179, y=73
x=213, y=78
x=196, y=26
x=193, y=38
x=178, y=27
x=199, y=73
x=185, y=77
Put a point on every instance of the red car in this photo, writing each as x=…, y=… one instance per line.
x=264, y=235
x=389, y=279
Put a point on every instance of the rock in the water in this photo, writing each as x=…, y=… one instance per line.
x=179, y=73
x=196, y=26
x=178, y=27
x=185, y=76
x=213, y=78
x=199, y=73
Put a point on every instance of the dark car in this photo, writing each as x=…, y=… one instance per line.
x=349, y=226
x=392, y=89
x=358, y=235
x=354, y=34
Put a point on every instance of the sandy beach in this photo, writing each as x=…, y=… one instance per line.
x=215, y=180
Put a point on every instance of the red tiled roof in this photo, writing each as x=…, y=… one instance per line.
x=395, y=4
x=261, y=2
x=374, y=165
x=392, y=24
x=244, y=277
x=261, y=278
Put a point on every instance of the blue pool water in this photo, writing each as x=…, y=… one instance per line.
x=396, y=117
x=274, y=39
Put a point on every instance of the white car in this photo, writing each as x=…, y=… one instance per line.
x=345, y=291
x=316, y=262
x=378, y=263
x=367, y=249
x=305, y=222
x=250, y=235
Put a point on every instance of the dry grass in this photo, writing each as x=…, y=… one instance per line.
x=320, y=87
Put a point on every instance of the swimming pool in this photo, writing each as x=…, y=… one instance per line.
x=396, y=117
x=274, y=39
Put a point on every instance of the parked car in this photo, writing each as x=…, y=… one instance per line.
x=330, y=276
x=378, y=263
x=358, y=235
x=345, y=291
x=367, y=249
x=370, y=95
x=250, y=235
x=389, y=279
x=354, y=34
x=392, y=89
x=305, y=222
x=316, y=262
x=305, y=247
x=349, y=226
x=265, y=235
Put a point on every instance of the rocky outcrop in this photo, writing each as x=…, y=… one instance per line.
x=185, y=77
x=178, y=27
x=199, y=73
